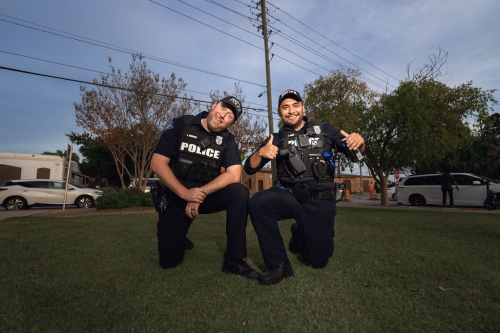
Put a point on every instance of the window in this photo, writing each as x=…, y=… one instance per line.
x=433, y=180
x=414, y=181
x=34, y=184
x=43, y=173
x=464, y=179
x=57, y=185
x=249, y=183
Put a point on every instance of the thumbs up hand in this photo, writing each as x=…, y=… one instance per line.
x=354, y=140
x=269, y=151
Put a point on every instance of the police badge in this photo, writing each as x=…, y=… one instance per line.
x=218, y=140
x=317, y=129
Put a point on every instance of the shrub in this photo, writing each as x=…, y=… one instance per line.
x=130, y=197
x=147, y=200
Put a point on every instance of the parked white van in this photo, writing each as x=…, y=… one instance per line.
x=420, y=190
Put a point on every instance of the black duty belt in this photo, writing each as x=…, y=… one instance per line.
x=321, y=195
x=318, y=195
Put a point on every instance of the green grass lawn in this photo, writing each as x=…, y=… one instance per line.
x=392, y=271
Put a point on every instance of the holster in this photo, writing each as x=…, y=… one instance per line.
x=159, y=193
x=339, y=190
x=301, y=192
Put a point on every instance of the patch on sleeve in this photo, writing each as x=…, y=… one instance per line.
x=170, y=126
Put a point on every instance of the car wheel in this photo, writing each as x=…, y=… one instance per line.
x=394, y=197
x=15, y=203
x=84, y=202
x=417, y=200
x=490, y=203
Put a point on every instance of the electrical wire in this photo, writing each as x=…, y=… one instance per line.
x=121, y=49
x=331, y=41
x=291, y=39
x=95, y=71
x=112, y=87
x=364, y=70
x=232, y=36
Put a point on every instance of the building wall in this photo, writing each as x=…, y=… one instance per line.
x=265, y=177
x=33, y=166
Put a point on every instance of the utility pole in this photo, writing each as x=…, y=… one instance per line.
x=69, y=153
x=361, y=177
x=268, y=82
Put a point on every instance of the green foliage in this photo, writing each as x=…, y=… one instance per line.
x=130, y=197
x=340, y=99
x=410, y=128
x=108, y=190
x=97, y=159
x=480, y=155
x=60, y=153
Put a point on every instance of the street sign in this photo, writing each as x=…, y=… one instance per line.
x=396, y=174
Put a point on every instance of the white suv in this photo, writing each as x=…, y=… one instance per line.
x=24, y=193
x=419, y=190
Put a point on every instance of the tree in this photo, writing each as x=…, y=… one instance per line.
x=128, y=113
x=481, y=154
x=97, y=159
x=249, y=133
x=60, y=153
x=419, y=122
x=339, y=93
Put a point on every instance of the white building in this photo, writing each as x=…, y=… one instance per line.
x=35, y=166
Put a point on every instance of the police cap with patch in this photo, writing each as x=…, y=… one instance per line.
x=289, y=94
x=234, y=104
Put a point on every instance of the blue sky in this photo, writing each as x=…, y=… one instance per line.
x=379, y=36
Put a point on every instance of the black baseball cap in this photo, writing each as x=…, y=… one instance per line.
x=234, y=104
x=289, y=94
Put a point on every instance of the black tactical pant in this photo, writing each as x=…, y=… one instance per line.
x=313, y=236
x=173, y=224
x=450, y=193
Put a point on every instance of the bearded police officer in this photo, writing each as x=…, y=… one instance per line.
x=304, y=191
x=188, y=160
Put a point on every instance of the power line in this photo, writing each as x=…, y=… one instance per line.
x=324, y=57
x=243, y=30
x=232, y=36
x=121, y=49
x=325, y=49
x=109, y=86
x=95, y=71
x=332, y=41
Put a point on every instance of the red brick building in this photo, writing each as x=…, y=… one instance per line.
x=262, y=180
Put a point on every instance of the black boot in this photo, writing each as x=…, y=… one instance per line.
x=276, y=274
x=239, y=267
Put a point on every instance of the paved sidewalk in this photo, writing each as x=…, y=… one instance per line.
x=357, y=200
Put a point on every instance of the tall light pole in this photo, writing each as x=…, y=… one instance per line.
x=268, y=81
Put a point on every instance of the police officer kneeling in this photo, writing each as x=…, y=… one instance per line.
x=188, y=160
x=304, y=191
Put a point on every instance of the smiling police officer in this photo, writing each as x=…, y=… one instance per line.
x=188, y=160
x=304, y=191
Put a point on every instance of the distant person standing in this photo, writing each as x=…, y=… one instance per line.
x=447, y=181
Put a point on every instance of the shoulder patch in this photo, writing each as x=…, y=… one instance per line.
x=169, y=126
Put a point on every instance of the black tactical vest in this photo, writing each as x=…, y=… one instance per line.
x=199, y=156
x=301, y=155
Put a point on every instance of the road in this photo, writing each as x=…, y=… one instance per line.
x=362, y=201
